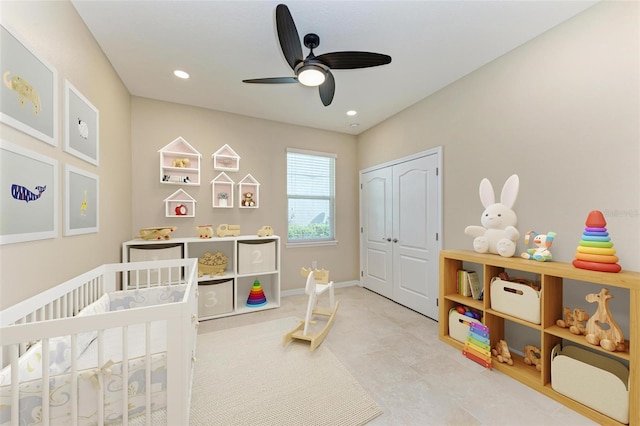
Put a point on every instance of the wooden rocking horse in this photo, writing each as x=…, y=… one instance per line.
x=610, y=338
x=317, y=283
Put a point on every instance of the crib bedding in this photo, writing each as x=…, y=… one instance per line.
x=91, y=376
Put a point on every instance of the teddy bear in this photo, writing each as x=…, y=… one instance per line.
x=247, y=199
x=502, y=353
x=573, y=320
x=498, y=233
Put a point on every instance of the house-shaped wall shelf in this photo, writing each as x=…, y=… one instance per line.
x=179, y=163
x=222, y=191
x=179, y=204
x=247, y=185
x=226, y=159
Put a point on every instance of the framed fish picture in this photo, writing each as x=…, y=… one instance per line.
x=81, y=125
x=28, y=195
x=29, y=89
x=81, y=190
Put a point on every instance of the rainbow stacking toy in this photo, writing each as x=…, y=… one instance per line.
x=256, y=296
x=596, y=251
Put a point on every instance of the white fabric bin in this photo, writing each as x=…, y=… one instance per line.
x=594, y=380
x=256, y=256
x=518, y=300
x=459, y=325
x=215, y=298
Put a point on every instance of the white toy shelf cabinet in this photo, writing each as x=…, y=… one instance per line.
x=550, y=275
x=249, y=258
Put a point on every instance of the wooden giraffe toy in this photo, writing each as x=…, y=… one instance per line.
x=611, y=338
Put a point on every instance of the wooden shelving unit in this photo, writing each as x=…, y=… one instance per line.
x=551, y=276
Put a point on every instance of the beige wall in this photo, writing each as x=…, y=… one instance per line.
x=261, y=145
x=561, y=111
x=54, y=30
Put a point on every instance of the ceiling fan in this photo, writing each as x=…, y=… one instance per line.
x=315, y=70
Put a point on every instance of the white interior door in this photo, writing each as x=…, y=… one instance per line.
x=376, y=230
x=400, y=213
x=415, y=235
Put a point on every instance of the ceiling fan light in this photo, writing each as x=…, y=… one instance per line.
x=311, y=75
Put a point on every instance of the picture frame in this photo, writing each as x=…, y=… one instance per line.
x=28, y=195
x=29, y=89
x=81, y=125
x=82, y=201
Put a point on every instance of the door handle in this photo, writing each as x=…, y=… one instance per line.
x=388, y=239
x=395, y=240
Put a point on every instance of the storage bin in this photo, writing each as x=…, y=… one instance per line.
x=459, y=325
x=518, y=300
x=215, y=298
x=591, y=379
x=256, y=256
x=155, y=252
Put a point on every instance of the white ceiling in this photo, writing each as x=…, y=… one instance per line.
x=220, y=43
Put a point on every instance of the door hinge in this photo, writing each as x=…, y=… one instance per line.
x=437, y=300
x=362, y=273
x=360, y=186
x=437, y=236
x=437, y=171
x=361, y=229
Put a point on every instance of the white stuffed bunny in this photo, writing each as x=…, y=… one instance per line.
x=498, y=233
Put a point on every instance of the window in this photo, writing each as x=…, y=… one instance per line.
x=311, y=196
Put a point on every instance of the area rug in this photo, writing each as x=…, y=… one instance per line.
x=243, y=376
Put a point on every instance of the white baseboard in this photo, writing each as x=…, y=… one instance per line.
x=297, y=291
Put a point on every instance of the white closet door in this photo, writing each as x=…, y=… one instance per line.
x=400, y=221
x=415, y=227
x=377, y=233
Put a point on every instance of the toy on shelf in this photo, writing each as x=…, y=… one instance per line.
x=157, y=233
x=212, y=264
x=247, y=199
x=317, y=284
x=610, y=338
x=595, y=251
x=542, y=242
x=532, y=356
x=225, y=230
x=573, y=320
x=498, y=233
x=205, y=231
x=256, y=296
x=501, y=353
x=180, y=163
x=265, y=231
x=477, y=346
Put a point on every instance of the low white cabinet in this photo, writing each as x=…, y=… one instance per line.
x=249, y=259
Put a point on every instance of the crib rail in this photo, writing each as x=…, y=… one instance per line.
x=53, y=314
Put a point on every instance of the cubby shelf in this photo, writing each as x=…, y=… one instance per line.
x=179, y=163
x=249, y=257
x=551, y=276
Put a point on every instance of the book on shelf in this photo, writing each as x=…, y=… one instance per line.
x=474, y=285
x=468, y=284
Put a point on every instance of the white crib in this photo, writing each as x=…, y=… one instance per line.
x=82, y=353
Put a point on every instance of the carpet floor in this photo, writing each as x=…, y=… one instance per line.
x=243, y=376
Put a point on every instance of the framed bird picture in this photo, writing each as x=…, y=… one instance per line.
x=81, y=126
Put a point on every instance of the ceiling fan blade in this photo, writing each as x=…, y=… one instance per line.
x=288, y=36
x=352, y=60
x=272, y=80
x=327, y=89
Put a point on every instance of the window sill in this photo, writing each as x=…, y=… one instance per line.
x=303, y=244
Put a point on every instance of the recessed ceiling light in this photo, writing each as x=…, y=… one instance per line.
x=181, y=74
x=351, y=112
x=354, y=125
